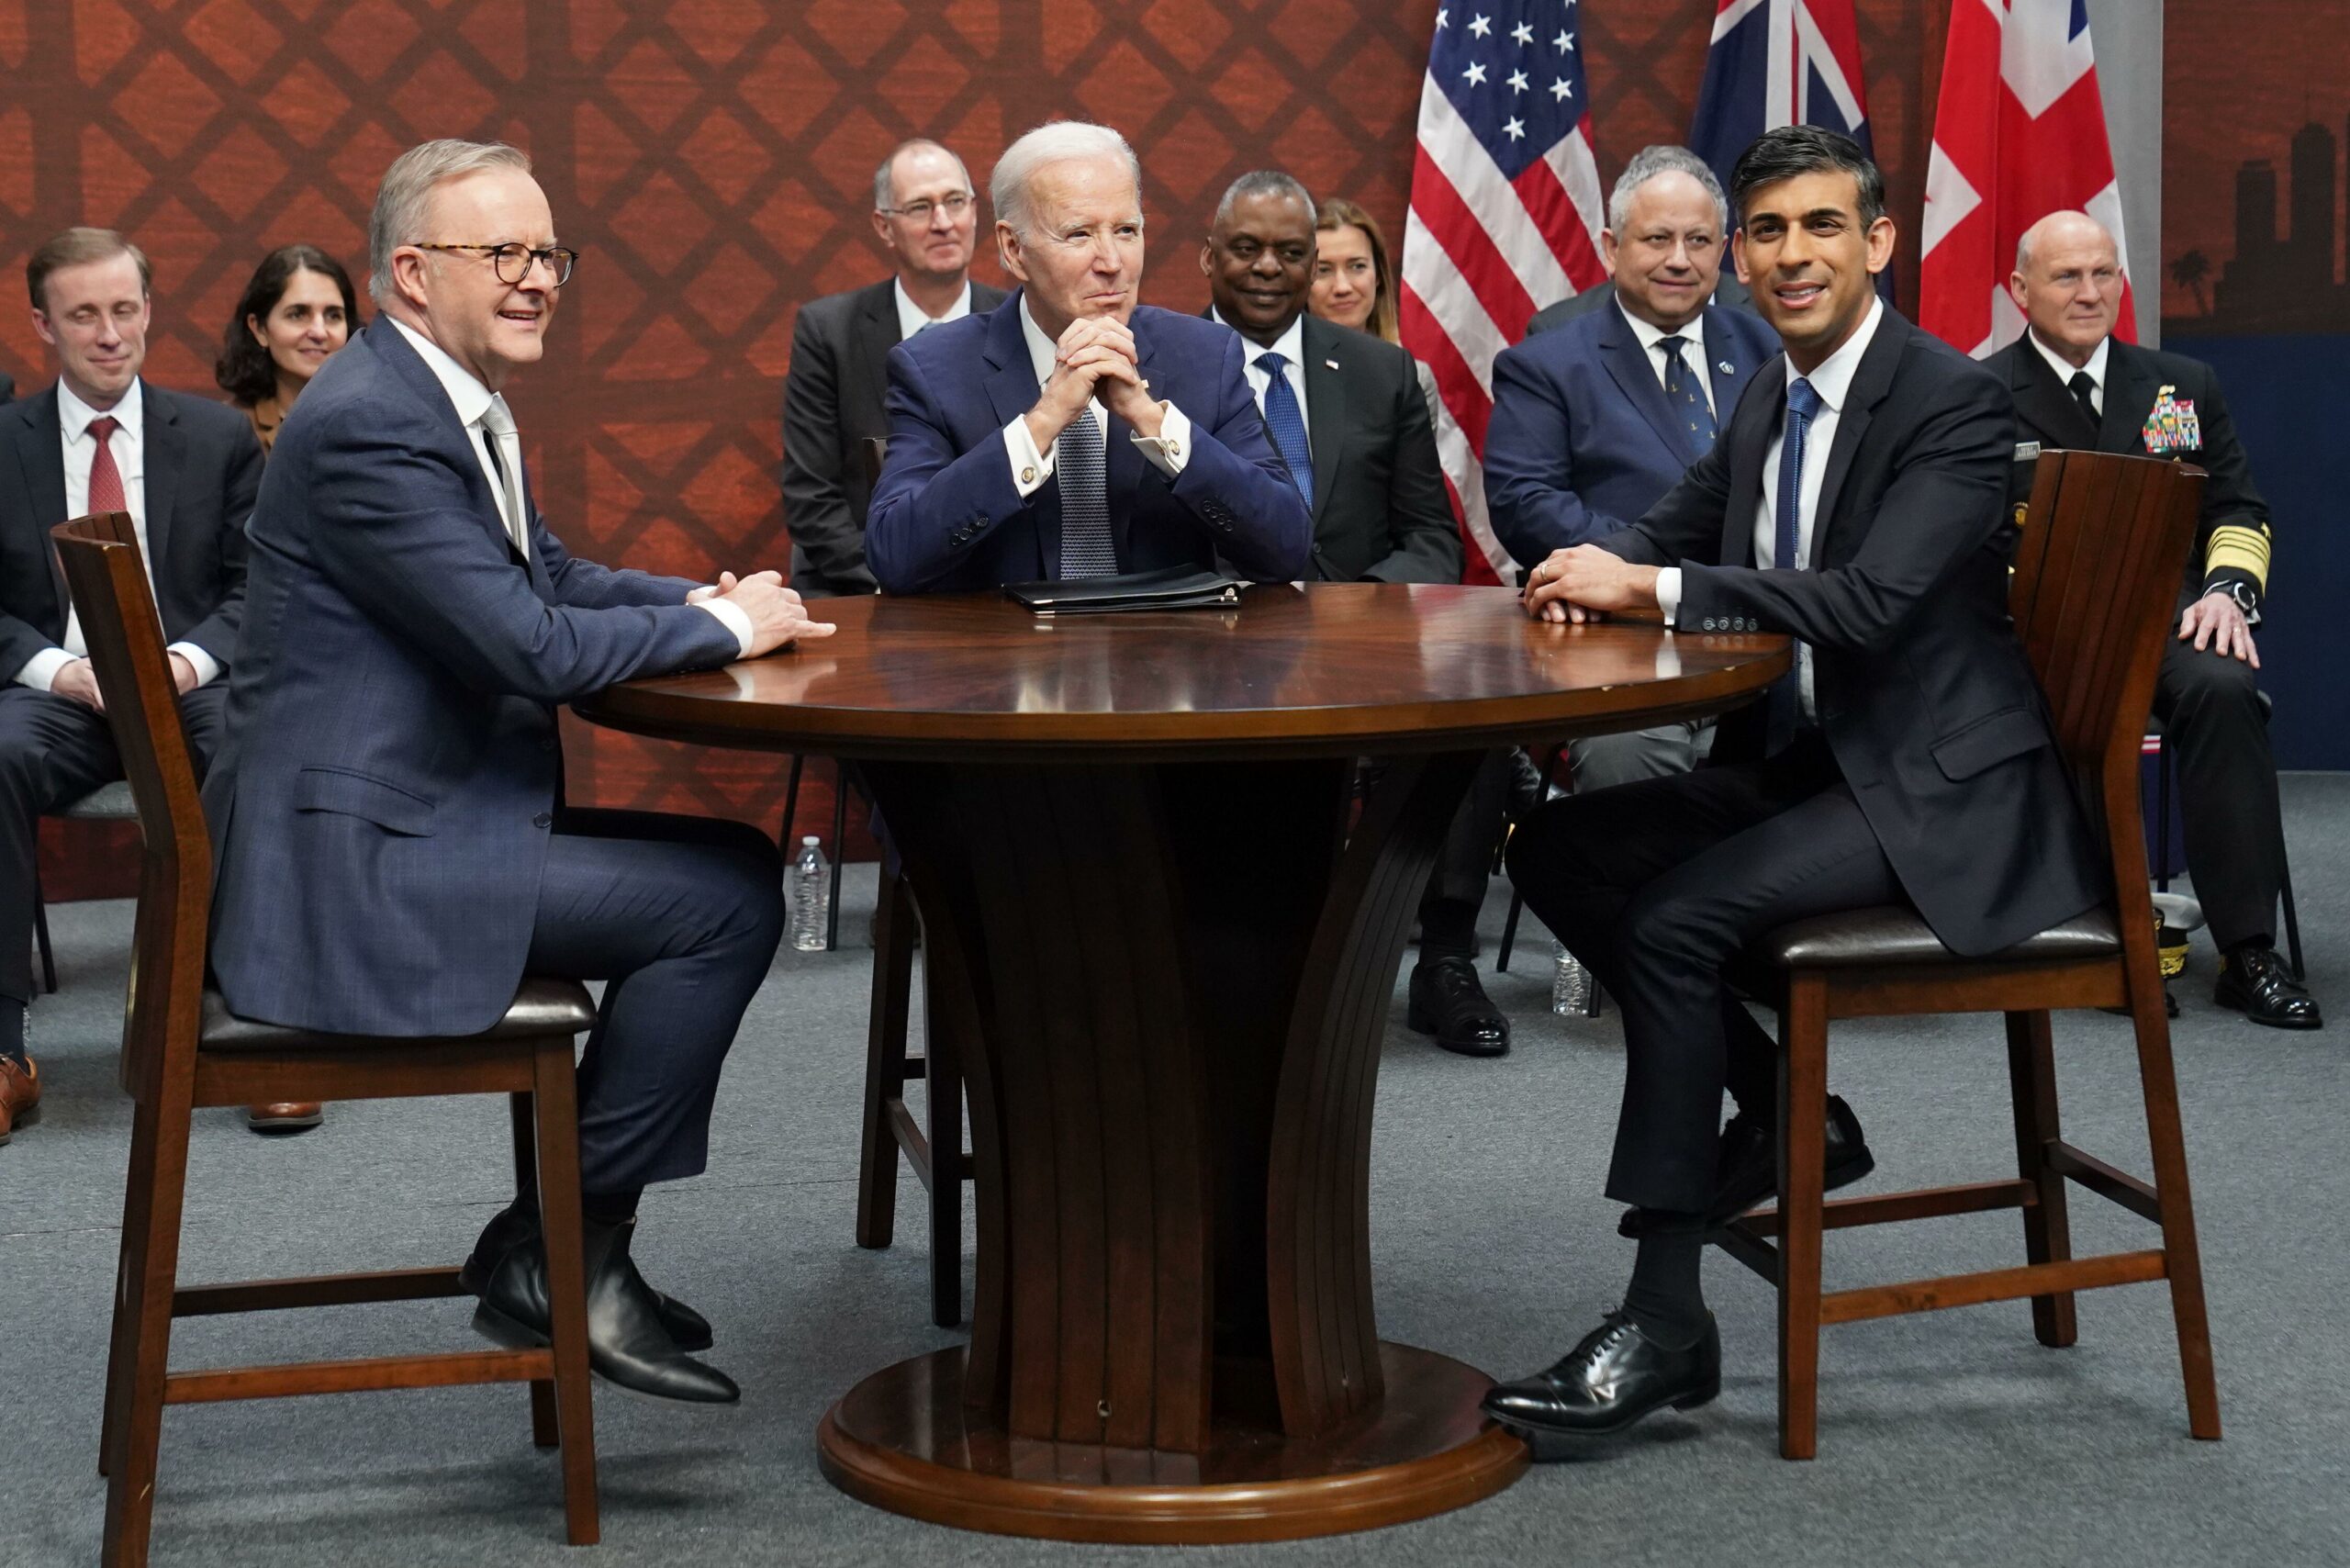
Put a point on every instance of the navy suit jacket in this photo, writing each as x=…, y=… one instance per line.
x=947, y=515
x=1581, y=440
x=203, y=464
x=390, y=769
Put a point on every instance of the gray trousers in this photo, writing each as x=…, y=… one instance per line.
x=1601, y=761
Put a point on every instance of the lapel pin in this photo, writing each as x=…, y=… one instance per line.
x=1331, y=362
x=1727, y=368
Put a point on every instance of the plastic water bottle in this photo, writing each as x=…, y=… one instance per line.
x=811, y=896
x=1570, y=984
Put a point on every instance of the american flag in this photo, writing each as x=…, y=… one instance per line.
x=2019, y=133
x=1774, y=63
x=1505, y=220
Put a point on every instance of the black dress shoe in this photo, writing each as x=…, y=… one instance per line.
x=1448, y=1002
x=1616, y=1375
x=2255, y=982
x=518, y=1222
x=626, y=1342
x=1746, y=1163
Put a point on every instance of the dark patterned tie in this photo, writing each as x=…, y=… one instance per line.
x=105, y=479
x=1686, y=398
x=1087, y=548
x=1286, y=423
x=2084, y=394
x=1787, y=518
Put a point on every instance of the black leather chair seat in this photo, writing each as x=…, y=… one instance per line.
x=1887, y=935
x=540, y=1007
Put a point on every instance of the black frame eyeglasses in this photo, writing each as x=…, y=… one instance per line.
x=513, y=260
x=920, y=211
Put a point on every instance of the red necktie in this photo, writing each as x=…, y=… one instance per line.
x=105, y=479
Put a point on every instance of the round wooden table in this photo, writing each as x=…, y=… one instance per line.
x=1167, y=959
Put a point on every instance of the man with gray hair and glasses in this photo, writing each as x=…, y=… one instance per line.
x=393, y=847
x=1072, y=432
x=926, y=215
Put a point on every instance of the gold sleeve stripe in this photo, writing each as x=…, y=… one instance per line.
x=2242, y=548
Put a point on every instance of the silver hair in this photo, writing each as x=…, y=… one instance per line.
x=883, y=195
x=1264, y=183
x=1054, y=142
x=2024, y=241
x=1646, y=165
x=400, y=200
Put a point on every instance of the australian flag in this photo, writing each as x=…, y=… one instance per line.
x=1775, y=63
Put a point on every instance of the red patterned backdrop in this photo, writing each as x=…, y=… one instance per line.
x=712, y=161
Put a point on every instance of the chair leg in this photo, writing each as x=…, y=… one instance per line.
x=2047, y=1236
x=143, y=1316
x=545, y=1429
x=840, y=853
x=1509, y=933
x=2292, y=926
x=1803, y=1133
x=49, y=953
x=942, y=1065
x=885, y=1065
x=2162, y=816
x=2183, y=1257
x=138, y=1204
x=558, y=1149
x=790, y=806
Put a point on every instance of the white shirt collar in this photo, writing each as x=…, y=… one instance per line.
x=912, y=318
x=2064, y=372
x=1290, y=345
x=74, y=416
x=470, y=398
x=1833, y=378
x=1650, y=334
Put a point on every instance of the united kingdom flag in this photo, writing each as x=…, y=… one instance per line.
x=2019, y=133
x=1775, y=63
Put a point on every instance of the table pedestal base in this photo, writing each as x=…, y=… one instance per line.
x=904, y=1440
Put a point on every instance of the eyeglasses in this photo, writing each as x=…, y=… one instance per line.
x=920, y=211
x=513, y=261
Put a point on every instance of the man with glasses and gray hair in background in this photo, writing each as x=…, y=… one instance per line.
x=926, y=215
x=393, y=853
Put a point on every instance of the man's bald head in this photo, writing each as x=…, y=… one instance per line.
x=2068, y=283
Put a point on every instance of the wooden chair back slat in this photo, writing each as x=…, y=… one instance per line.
x=2103, y=548
x=108, y=579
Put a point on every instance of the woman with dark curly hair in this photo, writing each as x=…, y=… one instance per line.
x=298, y=310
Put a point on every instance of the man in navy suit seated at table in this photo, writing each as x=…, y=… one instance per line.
x=1595, y=420
x=1070, y=432
x=387, y=807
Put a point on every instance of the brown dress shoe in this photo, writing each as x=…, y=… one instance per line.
x=284, y=1116
x=19, y=1096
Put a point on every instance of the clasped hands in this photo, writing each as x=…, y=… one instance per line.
x=778, y=615
x=78, y=681
x=1095, y=357
x=1585, y=583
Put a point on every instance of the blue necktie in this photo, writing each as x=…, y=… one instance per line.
x=1286, y=420
x=1087, y=548
x=1786, y=516
x=1687, y=399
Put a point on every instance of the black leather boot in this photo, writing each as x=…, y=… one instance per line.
x=517, y=1223
x=627, y=1343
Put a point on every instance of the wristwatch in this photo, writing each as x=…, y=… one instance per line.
x=2246, y=596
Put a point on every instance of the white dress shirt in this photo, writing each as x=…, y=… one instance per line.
x=1291, y=346
x=1031, y=468
x=1832, y=380
x=2094, y=369
x=129, y=444
x=472, y=401
x=1693, y=349
x=912, y=318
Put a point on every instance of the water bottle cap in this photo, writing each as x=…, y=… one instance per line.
x=811, y=840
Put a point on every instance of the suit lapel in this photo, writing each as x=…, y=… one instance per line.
x=1728, y=385
x=40, y=458
x=1012, y=389
x=1635, y=376
x=166, y=454
x=1325, y=408
x=2129, y=383
x=1871, y=382
x=1753, y=428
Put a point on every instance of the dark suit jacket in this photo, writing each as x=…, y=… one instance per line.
x=832, y=403
x=381, y=803
x=203, y=466
x=1381, y=513
x=2232, y=541
x=946, y=514
x=7, y=387
x=1581, y=440
x=1923, y=691
x=1729, y=295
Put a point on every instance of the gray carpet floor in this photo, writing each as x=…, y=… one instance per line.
x=1951, y=1437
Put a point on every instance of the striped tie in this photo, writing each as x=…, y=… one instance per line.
x=1087, y=549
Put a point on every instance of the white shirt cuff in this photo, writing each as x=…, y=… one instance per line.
x=1030, y=467
x=1668, y=594
x=1172, y=447
x=733, y=617
x=207, y=667
x=41, y=670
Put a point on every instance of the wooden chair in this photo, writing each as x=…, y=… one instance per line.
x=107, y=802
x=181, y=1050
x=2095, y=573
